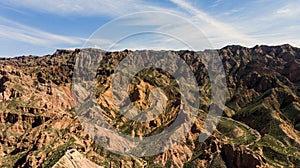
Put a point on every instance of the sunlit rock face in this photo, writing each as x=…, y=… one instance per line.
x=259, y=127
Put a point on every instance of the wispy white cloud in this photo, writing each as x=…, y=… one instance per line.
x=216, y=30
x=264, y=25
x=231, y=12
x=3, y=6
x=144, y=30
x=21, y=33
x=290, y=10
x=18, y=32
x=217, y=3
x=85, y=7
x=272, y=23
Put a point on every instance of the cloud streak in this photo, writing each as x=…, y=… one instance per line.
x=248, y=24
x=290, y=10
x=216, y=30
x=85, y=7
x=18, y=32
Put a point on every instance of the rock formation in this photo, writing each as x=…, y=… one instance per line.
x=259, y=128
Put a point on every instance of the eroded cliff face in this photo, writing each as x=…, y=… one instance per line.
x=260, y=124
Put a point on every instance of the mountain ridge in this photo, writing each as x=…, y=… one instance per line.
x=38, y=120
x=225, y=47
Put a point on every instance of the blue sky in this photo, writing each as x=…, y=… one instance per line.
x=40, y=27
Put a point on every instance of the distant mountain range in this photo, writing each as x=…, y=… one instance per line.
x=259, y=127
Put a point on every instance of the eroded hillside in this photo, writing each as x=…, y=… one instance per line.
x=259, y=127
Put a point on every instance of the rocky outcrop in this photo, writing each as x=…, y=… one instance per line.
x=38, y=122
x=235, y=157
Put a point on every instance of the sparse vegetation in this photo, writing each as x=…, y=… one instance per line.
x=263, y=98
